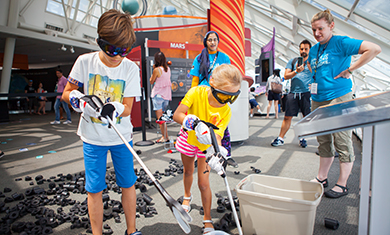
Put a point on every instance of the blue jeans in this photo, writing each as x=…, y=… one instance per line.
x=57, y=109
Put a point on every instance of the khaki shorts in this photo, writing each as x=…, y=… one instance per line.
x=340, y=141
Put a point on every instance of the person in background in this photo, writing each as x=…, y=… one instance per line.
x=108, y=75
x=299, y=97
x=41, y=99
x=203, y=67
x=271, y=96
x=30, y=99
x=330, y=63
x=161, y=92
x=62, y=81
x=252, y=101
x=209, y=104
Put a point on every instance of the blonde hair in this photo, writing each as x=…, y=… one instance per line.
x=323, y=15
x=116, y=28
x=227, y=74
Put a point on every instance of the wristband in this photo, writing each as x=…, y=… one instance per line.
x=349, y=71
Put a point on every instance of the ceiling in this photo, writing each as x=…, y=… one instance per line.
x=291, y=18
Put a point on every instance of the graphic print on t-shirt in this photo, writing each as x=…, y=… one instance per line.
x=108, y=90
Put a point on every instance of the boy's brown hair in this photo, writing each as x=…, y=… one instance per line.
x=227, y=73
x=116, y=28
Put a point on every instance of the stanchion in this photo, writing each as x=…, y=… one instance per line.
x=144, y=142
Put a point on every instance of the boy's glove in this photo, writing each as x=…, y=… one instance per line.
x=74, y=100
x=216, y=161
x=189, y=122
x=112, y=110
x=202, y=133
x=87, y=104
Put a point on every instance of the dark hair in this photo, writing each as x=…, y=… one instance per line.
x=160, y=60
x=116, y=28
x=59, y=70
x=252, y=89
x=276, y=72
x=305, y=42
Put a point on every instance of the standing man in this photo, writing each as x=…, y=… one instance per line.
x=299, y=97
x=30, y=99
x=60, y=88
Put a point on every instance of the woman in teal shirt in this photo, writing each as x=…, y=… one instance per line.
x=330, y=63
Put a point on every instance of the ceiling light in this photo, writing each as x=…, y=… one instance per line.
x=63, y=48
x=71, y=49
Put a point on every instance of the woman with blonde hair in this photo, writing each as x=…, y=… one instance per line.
x=330, y=63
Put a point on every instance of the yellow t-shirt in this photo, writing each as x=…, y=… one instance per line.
x=197, y=101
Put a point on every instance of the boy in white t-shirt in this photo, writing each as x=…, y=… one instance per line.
x=115, y=79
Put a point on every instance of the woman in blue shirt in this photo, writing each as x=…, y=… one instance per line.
x=330, y=63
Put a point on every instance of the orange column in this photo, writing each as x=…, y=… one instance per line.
x=227, y=19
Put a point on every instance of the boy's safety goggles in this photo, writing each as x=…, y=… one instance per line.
x=112, y=50
x=224, y=97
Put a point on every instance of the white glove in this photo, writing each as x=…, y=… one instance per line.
x=82, y=103
x=74, y=100
x=215, y=161
x=202, y=133
x=222, y=151
x=189, y=121
x=111, y=110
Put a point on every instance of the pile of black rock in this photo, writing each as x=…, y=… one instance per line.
x=45, y=208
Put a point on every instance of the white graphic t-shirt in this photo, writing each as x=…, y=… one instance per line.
x=109, y=84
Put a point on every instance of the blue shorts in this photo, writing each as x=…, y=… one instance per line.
x=253, y=103
x=159, y=103
x=95, y=162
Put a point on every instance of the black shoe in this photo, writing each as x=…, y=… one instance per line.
x=334, y=194
x=2, y=154
x=230, y=161
x=323, y=182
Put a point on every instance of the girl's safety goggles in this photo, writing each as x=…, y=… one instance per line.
x=112, y=50
x=224, y=97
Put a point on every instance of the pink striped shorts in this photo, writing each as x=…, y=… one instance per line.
x=187, y=149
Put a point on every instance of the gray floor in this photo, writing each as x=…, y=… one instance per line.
x=289, y=160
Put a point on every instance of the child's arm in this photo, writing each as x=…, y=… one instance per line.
x=180, y=113
x=68, y=88
x=128, y=103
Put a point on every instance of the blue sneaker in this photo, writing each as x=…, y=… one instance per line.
x=277, y=142
x=135, y=233
x=303, y=143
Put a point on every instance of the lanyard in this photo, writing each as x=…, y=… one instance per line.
x=212, y=66
x=318, y=58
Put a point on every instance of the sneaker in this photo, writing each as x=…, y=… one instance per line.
x=303, y=143
x=2, y=154
x=230, y=161
x=67, y=122
x=259, y=111
x=251, y=115
x=55, y=122
x=277, y=142
x=135, y=233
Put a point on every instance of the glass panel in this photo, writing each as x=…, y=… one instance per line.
x=71, y=14
x=55, y=7
x=84, y=5
x=96, y=11
x=94, y=22
x=80, y=16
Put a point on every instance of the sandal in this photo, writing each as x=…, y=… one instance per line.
x=322, y=182
x=333, y=194
x=161, y=140
x=208, y=229
x=187, y=208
